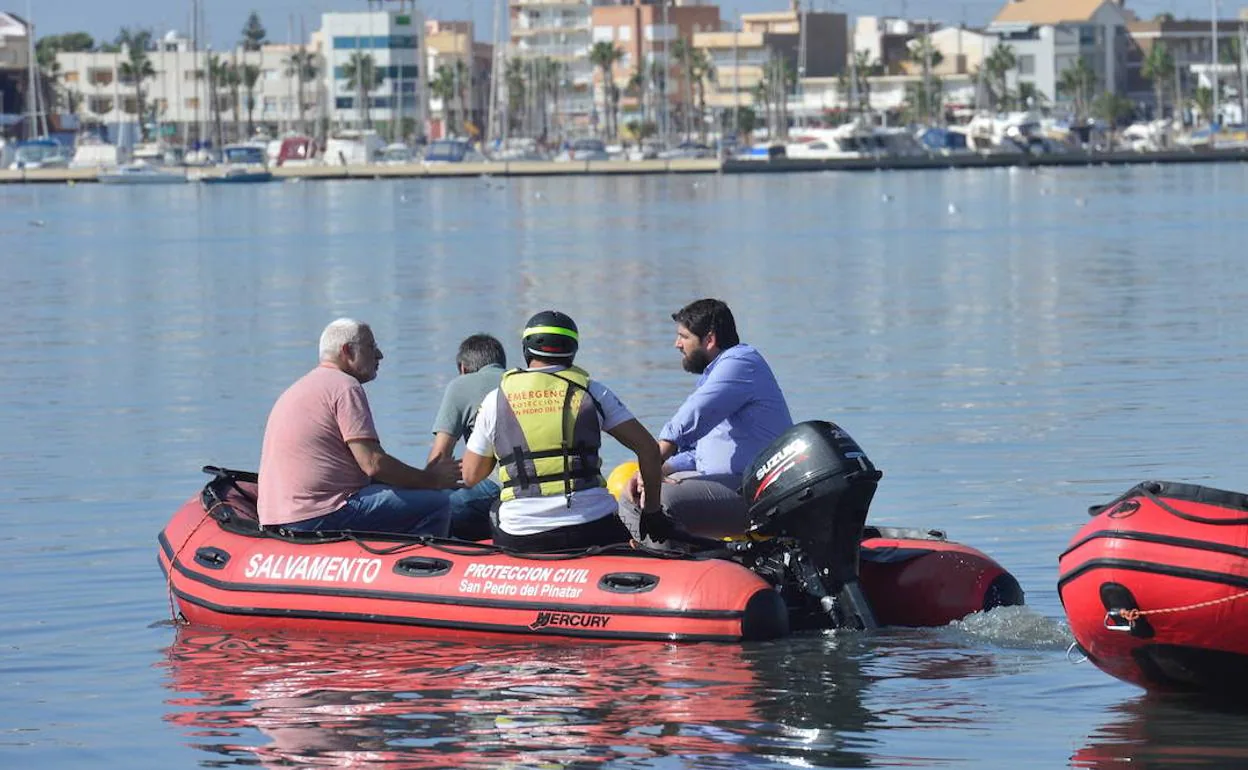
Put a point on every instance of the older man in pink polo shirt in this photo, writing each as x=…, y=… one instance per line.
x=322, y=466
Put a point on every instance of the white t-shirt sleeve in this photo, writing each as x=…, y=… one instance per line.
x=481, y=442
x=613, y=410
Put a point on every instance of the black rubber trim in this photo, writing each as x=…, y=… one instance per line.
x=1149, y=537
x=891, y=554
x=1191, y=493
x=403, y=620
x=440, y=599
x=1134, y=565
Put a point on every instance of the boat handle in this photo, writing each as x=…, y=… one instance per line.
x=422, y=566
x=212, y=558
x=628, y=582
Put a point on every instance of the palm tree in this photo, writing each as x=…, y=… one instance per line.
x=137, y=67
x=604, y=55
x=657, y=74
x=1203, y=101
x=703, y=71
x=49, y=75
x=636, y=88
x=684, y=52
x=302, y=66
x=1114, y=109
x=253, y=39
x=925, y=99
x=218, y=74
x=747, y=121
x=513, y=76
x=363, y=77
x=1031, y=96
x=231, y=79
x=762, y=96
x=928, y=57
x=923, y=52
x=999, y=64
x=248, y=75
x=463, y=93
x=443, y=86
x=1077, y=82
x=864, y=69
x=1230, y=54
x=1158, y=67
x=548, y=81
x=780, y=78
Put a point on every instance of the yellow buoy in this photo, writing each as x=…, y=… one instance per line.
x=619, y=477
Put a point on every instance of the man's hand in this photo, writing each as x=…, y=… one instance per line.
x=656, y=526
x=446, y=473
x=633, y=490
x=635, y=493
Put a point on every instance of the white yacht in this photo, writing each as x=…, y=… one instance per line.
x=851, y=140
x=353, y=148
x=397, y=154
x=92, y=152
x=40, y=153
x=140, y=172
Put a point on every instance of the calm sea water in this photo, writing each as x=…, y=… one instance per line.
x=1009, y=347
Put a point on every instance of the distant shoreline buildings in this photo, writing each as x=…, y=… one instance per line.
x=624, y=68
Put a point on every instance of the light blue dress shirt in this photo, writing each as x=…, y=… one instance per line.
x=735, y=411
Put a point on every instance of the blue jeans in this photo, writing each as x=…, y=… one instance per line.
x=383, y=508
x=470, y=510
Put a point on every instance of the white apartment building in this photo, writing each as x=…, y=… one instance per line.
x=394, y=40
x=888, y=93
x=178, y=98
x=561, y=30
x=1048, y=36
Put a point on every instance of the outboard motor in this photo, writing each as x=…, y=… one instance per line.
x=814, y=485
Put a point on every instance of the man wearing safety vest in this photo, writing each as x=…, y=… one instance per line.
x=543, y=427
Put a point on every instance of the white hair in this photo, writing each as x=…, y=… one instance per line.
x=344, y=331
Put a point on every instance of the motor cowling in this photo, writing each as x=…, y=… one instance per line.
x=807, y=469
x=814, y=484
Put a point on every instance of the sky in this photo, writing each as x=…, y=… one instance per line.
x=281, y=18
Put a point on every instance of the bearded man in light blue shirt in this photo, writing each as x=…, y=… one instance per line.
x=734, y=412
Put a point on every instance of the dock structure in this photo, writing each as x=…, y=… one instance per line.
x=677, y=166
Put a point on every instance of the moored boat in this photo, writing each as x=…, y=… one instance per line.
x=140, y=173
x=242, y=164
x=798, y=569
x=1155, y=588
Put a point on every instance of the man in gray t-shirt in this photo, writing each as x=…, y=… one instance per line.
x=481, y=362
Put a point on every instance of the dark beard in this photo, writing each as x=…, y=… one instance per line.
x=696, y=361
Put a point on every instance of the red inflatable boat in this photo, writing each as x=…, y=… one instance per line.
x=1156, y=587
x=807, y=561
x=224, y=571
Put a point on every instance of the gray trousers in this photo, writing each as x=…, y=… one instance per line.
x=708, y=506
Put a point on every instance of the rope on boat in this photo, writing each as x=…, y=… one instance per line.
x=1130, y=616
x=179, y=620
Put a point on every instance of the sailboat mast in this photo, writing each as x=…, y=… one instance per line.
x=32, y=81
x=495, y=73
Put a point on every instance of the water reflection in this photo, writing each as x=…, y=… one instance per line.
x=285, y=700
x=1152, y=733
